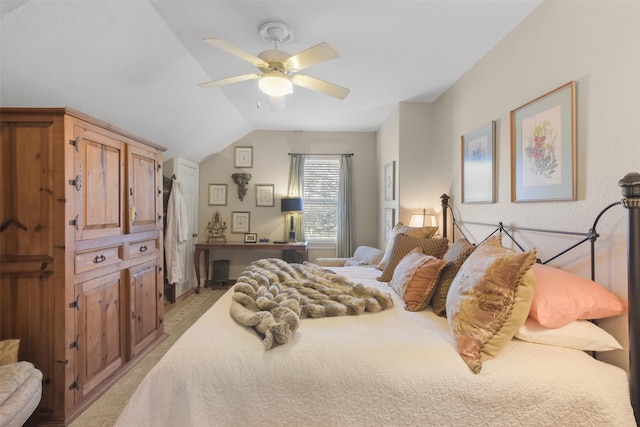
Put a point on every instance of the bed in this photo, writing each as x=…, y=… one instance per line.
x=386, y=367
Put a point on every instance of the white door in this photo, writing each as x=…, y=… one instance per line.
x=187, y=173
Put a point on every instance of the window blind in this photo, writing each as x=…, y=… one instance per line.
x=320, y=193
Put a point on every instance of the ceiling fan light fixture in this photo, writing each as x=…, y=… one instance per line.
x=275, y=85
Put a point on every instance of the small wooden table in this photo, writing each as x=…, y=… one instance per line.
x=299, y=247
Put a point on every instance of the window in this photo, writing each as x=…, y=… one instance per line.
x=320, y=193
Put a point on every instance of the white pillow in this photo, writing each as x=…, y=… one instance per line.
x=579, y=334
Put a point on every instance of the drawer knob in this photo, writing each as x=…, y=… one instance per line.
x=143, y=248
x=99, y=258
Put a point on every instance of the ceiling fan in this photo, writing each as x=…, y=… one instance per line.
x=279, y=69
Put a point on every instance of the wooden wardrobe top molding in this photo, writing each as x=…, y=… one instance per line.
x=79, y=115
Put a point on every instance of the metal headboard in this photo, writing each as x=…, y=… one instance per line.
x=630, y=188
x=591, y=235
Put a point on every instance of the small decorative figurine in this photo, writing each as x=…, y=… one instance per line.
x=242, y=179
x=216, y=228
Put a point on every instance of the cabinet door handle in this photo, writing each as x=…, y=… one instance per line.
x=99, y=258
x=143, y=248
x=76, y=182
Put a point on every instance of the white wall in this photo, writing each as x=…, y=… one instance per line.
x=597, y=44
x=271, y=166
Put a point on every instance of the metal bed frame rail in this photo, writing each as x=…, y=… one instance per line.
x=630, y=188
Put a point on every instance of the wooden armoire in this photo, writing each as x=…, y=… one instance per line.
x=80, y=251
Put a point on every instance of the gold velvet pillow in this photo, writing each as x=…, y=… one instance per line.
x=489, y=300
x=415, y=278
x=419, y=232
x=403, y=244
x=9, y=351
x=457, y=253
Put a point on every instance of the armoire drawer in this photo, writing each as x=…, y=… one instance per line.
x=143, y=247
x=96, y=258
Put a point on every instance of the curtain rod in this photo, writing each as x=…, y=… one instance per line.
x=310, y=154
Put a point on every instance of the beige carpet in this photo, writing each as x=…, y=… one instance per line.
x=105, y=410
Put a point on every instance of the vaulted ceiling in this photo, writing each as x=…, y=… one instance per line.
x=137, y=64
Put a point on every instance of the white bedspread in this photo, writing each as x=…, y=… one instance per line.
x=390, y=368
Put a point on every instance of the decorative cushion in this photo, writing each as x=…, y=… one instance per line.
x=403, y=244
x=363, y=256
x=415, y=278
x=9, y=351
x=351, y=262
x=579, y=334
x=400, y=228
x=368, y=255
x=489, y=300
x=562, y=297
x=457, y=254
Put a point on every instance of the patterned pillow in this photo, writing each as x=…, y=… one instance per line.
x=400, y=228
x=9, y=351
x=415, y=278
x=457, y=254
x=489, y=300
x=403, y=244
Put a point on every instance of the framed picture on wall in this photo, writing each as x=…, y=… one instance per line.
x=264, y=195
x=543, y=142
x=389, y=222
x=240, y=222
x=390, y=181
x=478, y=165
x=243, y=157
x=217, y=194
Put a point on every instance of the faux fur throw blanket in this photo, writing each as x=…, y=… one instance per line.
x=272, y=296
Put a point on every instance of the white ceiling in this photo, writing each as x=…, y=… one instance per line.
x=137, y=63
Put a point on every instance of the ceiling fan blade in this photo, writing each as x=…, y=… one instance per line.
x=320, y=86
x=229, y=80
x=315, y=54
x=229, y=48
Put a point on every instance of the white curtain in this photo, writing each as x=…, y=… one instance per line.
x=296, y=184
x=344, y=244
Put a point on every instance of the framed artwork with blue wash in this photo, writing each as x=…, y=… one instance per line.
x=543, y=147
x=478, y=165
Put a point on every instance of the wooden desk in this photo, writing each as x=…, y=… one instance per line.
x=299, y=247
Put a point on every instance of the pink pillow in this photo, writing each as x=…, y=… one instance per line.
x=562, y=297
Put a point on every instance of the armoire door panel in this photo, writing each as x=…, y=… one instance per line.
x=100, y=330
x=32, y=325
x=143, y=190
x=26, y=162
x=145, y=303
x=98, y=185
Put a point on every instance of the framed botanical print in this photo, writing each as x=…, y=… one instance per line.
x=543, y=147
x=478, y=165
x=390, y=181
x=240, y=222
x=264, y=195
x=389, y=222
x=243, y=157
x=217, y=194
